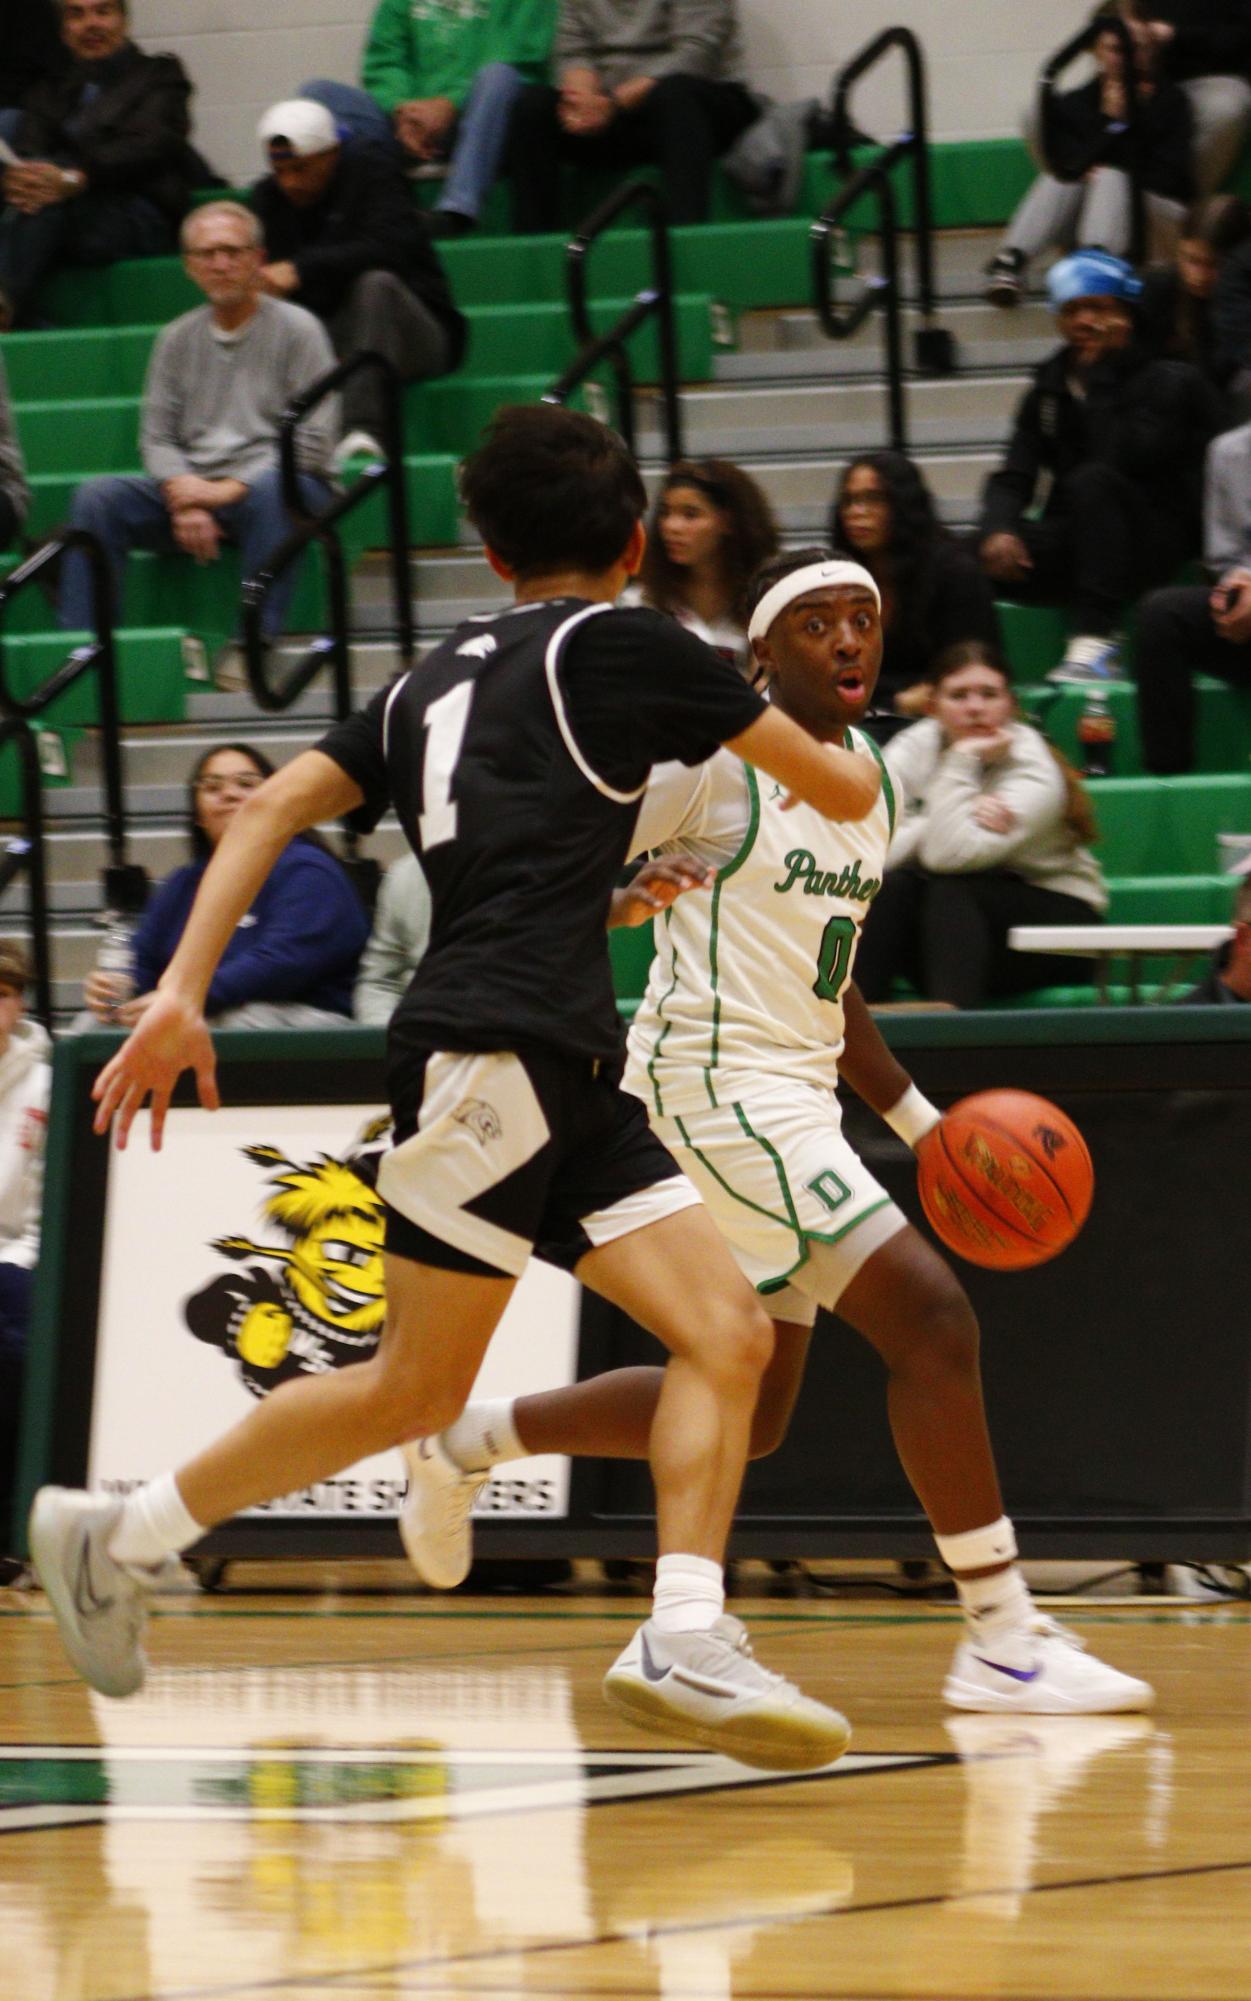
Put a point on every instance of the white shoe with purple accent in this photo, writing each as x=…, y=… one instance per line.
x=1040, y=1670
x=435, y=1521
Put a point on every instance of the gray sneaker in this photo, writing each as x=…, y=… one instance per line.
x=99, y=1604
x=709, y=1689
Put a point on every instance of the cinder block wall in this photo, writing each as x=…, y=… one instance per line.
x=983, y=56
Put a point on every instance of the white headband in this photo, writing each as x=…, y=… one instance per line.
x=815, y=577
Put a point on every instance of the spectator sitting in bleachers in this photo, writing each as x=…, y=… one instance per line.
x=440, y=82
x=291, y=962
x=934, y=593
x=1086, y=197
x=1206, y=47
x=638, y=80
x=993, y=830
x=1176, y=310
x=1117, y=439
x=1191, y=629
x=397, y=943
x=344, y=238
x=711, y=529
x=25, y=1078
x=107, y=170
x=218, y=382
x=1227, y=982
x=14, y=492
x=30, y=50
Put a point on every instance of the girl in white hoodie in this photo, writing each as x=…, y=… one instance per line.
x=992, y=829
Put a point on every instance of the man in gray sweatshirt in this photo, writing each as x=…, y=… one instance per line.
x=218, y=383
x=637, y=80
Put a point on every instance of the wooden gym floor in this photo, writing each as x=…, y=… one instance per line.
x=322, y=1795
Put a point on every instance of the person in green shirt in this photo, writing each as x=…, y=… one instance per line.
x=440, y=79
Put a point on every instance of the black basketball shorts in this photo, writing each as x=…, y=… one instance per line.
x=499, y=1155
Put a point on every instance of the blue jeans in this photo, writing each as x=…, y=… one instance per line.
x=91, y=229
x=480, y=137
x=127, y=512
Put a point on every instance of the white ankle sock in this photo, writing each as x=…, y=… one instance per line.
x=154, y=1524
x=995, y=1605
x=689, y=1595
x=482, y=1435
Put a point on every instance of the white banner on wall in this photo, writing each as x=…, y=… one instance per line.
x=248, y=1251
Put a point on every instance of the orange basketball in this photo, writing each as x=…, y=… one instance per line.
x=1005, y=1179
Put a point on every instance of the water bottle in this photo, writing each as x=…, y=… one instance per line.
x=115, y=957
x=1096, y=733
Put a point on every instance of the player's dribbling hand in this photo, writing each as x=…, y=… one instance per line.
x=170, y=1038
x=655, y=887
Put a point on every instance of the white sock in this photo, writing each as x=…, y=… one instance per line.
x=154, y=1524
x=689, y=1595
x=482, y=1435
x=999, y=1603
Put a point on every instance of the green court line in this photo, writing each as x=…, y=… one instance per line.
x=1189, y=1612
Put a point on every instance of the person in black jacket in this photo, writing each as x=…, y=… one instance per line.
x=1086, y=196
x=106, y=168
x=1176, y=312
x=934, y=593
x=345, y=240
x=30, y=50
x=1120, y=437
x=1205, y=45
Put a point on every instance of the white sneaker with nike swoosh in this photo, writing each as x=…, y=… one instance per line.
x=1041, y=1670
x=99, y=1605
x=436, y=1519
x=708, y=1688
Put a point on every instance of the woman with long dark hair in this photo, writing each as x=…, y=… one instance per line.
x=993, y=828
x=1175, y=310
x=292, y=961
x=934, y=592
x=711, y=529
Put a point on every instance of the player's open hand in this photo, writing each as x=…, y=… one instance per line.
x=170, y=1038
x=658, y=884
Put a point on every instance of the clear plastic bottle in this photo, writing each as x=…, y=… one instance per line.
x=1096, y=733
x=115, y=958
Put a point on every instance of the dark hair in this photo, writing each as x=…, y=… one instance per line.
x=780, y=566
x=751, y=532
x=1079, y=814
x=918, y=541
x=201, y=846
x=1220, y=222
x=550, y=489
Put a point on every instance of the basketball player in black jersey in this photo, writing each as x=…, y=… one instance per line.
x=515, y=756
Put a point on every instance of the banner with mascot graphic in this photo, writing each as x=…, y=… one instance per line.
x=249, y=1251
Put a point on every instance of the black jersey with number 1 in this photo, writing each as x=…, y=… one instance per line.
x=515, y=755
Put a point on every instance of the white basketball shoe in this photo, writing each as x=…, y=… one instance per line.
x=1040, y=1670
x=708, y=1688
x=99, y=1605
x=435, y=1521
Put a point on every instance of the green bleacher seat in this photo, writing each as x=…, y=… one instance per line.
x=1223, y=736
x=1168, y=826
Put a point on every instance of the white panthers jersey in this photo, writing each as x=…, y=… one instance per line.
x=749, y=976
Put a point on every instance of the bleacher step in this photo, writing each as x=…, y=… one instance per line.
x=740, y=417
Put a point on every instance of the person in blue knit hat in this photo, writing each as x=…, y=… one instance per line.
x=1099, y=492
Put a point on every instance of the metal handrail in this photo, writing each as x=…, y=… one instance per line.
x=321, y=526
x=1077, y=45
x=882, y=290
x=655, y=301
x=125, y=882
x=913, y=144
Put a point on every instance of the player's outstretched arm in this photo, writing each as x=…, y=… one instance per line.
x=171, y=1036
x=842, y=784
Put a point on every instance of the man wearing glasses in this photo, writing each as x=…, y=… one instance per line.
x=218, y=382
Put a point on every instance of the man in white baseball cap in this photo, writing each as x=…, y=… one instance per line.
x=346, y=240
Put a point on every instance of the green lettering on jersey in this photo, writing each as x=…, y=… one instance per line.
x=801, y=867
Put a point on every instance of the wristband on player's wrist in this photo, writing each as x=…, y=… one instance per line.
x=912, y=1116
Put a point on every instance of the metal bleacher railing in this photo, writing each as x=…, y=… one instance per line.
x=332, y=650
x=125, y=882
x=934, y=348
x=655, y=301
x=1051, y=71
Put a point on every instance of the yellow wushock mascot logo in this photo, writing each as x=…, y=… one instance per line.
x=324, y=1305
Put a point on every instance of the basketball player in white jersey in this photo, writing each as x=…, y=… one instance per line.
x=750, y=1018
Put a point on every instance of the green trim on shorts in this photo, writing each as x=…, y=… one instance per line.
x=785, y=1222
x=778, y=1169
